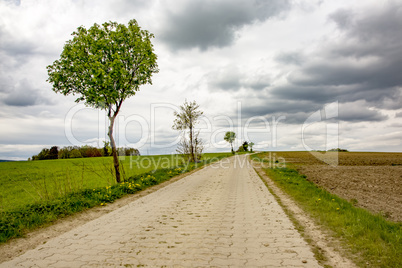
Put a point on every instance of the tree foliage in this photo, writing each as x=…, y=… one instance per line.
x=241, y=149
x=185, y=120
x=251, y=144
x=230, y=137
x=43, y=155
x=103, y=66
x=245, y=146
x=54, y=152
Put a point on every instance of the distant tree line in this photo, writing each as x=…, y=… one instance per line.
x=332, y=150
x=338, y=150
x=246, y=147
x=82, y=152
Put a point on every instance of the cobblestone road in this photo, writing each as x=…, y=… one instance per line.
x=222, y=215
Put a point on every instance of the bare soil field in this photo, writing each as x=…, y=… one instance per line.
x=369, y=180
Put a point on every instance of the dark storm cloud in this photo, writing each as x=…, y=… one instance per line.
x=298, y=93
x=232, y=78
x=225, y=79
x=272, y=106
x=361, y=70
x=379, y=27
x=342, y=17
x=258, y=82
x=291, y=111
x=297, y=112
x=369, y=54
x=297, y=103
x=206, y=24
x=280, y=113
x=14, y=46
x=5, y=86
x=382, y=73
x=387, y=98
x=14, y=52
x=358, y=112
x=21, y=93
x=294, y=58
x=368, y=60
x=18, y=99
x=361, y=115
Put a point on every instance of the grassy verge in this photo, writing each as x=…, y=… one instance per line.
x=17, y=222
x=24, y=183
x=372, y=240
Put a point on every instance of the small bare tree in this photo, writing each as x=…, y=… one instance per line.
x=184, y=147
x=185, y=120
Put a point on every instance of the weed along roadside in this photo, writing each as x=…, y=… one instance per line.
x=17, y=222
x=369, y=239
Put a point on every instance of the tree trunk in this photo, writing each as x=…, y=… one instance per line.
x=114, y=149
x=191, y=142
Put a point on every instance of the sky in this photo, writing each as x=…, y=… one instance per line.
x=283, y=74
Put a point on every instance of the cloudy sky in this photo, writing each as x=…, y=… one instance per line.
x=287, y=75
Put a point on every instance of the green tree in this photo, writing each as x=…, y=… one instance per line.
x=230, y=137
x=44, y=154
x=241, y=149
x=75, y=153
x=105, y=65
x=245, y=146
x=53, y=153
x=107, y=150
x=64, y=153
x=251, y=144
x=187, y=118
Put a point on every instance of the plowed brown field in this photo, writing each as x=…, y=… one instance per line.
x=370, y=180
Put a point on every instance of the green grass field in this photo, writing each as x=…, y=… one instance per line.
x=24, y=183
x=37, y=193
